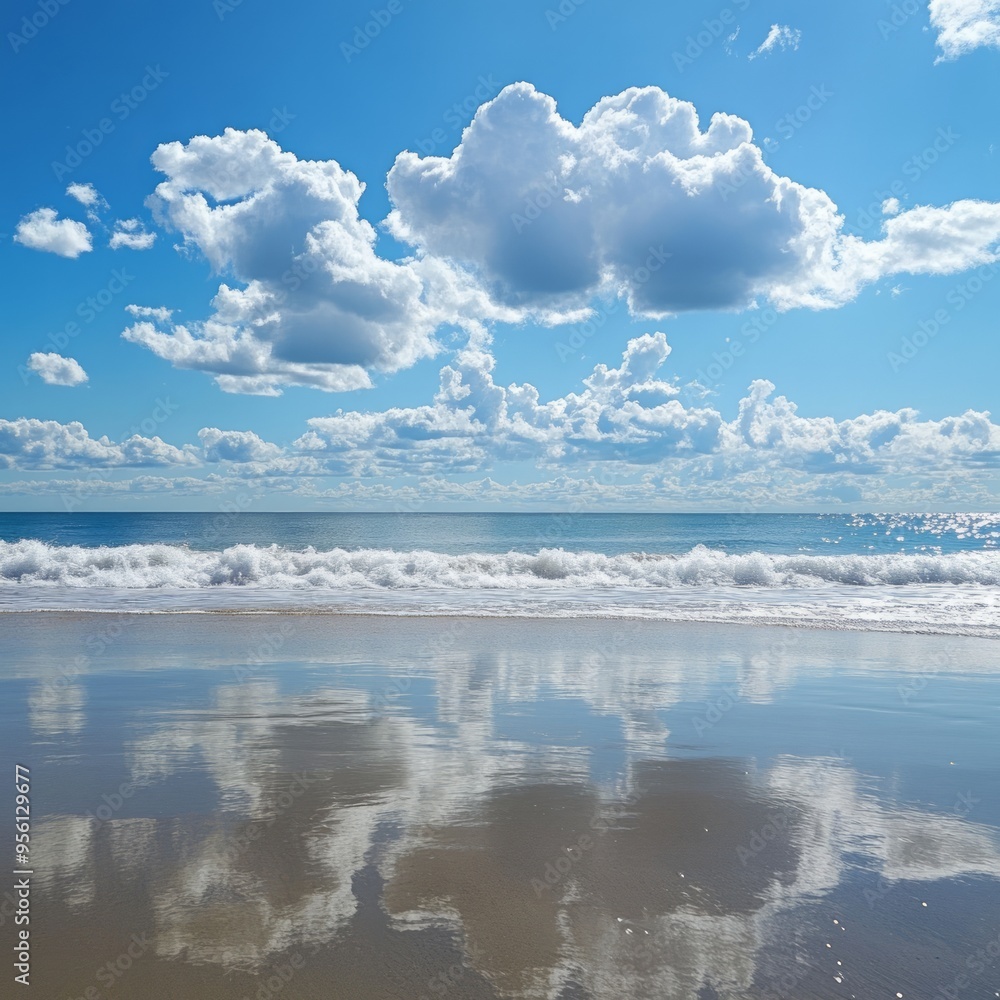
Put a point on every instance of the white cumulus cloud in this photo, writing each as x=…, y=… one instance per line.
x=622, y=413
x=235, y=446
x=54, y=369
x=27, y=443
x=781, y=36
x=44, y=230
x=965, y=25
x=630, y=416
x=131, y=234
x=317, y=305
x=633, y=422
x=160, y=313
x=87, y=195
x=530, y=217
x=637, y=200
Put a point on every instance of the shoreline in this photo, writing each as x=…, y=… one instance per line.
x=776, y=621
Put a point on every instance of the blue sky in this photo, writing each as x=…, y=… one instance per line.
x=876, y=355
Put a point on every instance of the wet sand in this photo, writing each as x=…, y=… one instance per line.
x=231, y=806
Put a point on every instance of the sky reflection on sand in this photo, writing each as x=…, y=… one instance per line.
x=531, y=812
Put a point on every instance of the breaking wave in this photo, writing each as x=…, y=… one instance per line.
x=174, y=567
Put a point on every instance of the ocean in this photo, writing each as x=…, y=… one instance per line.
x=504, y=756
x=921, y=573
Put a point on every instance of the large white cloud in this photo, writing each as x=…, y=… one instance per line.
x=964, y=25
x=531, y=217
x=639, y=200
x=54, y=369
x=318, y=306
x=47, y=444
x=44, y=230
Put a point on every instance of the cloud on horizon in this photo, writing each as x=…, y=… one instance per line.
x=48, y=444
x=628, y=420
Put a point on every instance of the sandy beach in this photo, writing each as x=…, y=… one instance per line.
x=262, y=805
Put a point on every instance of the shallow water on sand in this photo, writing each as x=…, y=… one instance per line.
x=260, y=806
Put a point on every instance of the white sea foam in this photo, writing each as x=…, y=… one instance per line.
x=957, y=594
x=141, y=567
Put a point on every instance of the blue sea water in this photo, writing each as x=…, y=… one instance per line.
x=454, y=534
x=920, y=572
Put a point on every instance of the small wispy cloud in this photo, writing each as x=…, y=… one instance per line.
x=160, y=313
x=88, y=196
x=781, y=36
x=131, y=234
